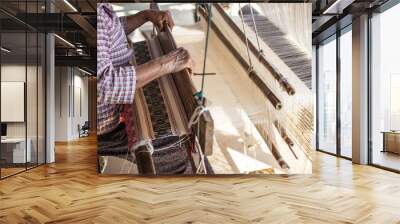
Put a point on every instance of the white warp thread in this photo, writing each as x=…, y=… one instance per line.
x=194, y=119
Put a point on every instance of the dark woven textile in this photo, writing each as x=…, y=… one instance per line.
x=154, y=98
x=170, y=154
x=174, y=159
x=113, y=143
x=170, y=158
x=167, y=160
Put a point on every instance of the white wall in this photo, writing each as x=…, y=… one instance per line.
x=79, y=117
x=61, y=103
x=12, y=73
x=33, y=127
x=70, y=83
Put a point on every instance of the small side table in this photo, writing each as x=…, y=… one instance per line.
x=391, y=141
x=13, y=150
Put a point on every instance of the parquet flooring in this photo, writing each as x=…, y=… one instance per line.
x=71, y=191
x=10, y=171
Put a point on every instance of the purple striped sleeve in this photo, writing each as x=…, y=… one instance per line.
x=116, y=84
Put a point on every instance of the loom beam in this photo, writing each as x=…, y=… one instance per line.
x=186, y=92
x=161, y=44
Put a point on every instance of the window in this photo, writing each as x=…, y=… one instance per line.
x=22, y=89
x=346, y=92
x=385, y=89
x=327, y=95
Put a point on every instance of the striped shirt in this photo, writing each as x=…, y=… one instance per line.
x=116, y=78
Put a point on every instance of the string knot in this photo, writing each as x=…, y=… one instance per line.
x=260, y=53
x=145, y=142
x=250, y=69
x=194, y=119
x=282, y=79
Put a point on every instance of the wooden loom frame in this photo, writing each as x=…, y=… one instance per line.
x=186, y=91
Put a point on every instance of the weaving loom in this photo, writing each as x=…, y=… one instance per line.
x=165, y=142
x=163, y=108
x=285, y=120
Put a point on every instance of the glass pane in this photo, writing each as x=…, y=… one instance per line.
x=13, y=87
x=346, y=93
x=32, y=87
x=22, y=80
x=31, y=97
x=386, y=89
x=327, y=96
x=41, y=98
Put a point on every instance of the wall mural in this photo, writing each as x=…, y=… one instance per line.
x=204, y=89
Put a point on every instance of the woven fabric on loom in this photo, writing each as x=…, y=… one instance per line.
x=153, y=101
x=152, y=105
x=157, y=104
x=152, y=95
x=114, y=143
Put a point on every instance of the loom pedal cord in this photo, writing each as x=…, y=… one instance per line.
x=200, y=94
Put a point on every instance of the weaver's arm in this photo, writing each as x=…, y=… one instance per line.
x=170, y=63
x=158, y=18
x=117, y=84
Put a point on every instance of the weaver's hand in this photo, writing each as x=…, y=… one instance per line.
x=175, y=61
x=159, y=18
x=178, y=60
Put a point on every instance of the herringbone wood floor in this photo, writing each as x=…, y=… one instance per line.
x=70, y=191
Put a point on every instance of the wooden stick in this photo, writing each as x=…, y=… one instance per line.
x=275, y=73
x=285, y=137
x=186, y=90
x=144, y=161
x=273, y=99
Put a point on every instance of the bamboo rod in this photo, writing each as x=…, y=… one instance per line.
x=273, y=70
x=273, y=99
x=275, y=152
x=285, y=137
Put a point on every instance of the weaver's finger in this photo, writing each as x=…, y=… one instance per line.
x=170, y=21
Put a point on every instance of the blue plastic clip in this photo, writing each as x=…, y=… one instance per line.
x=199, y=94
